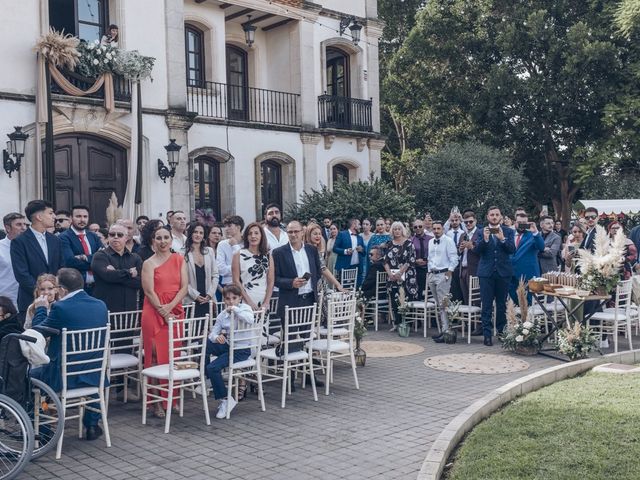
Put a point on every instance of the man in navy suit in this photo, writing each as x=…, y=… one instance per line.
x=349, y=246
x=35, y=252
x=495, y=247
x=529, y=243
x=79, y=245
x=76, y=310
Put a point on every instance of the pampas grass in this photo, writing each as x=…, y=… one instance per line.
x=59, y=48
x=114, y=212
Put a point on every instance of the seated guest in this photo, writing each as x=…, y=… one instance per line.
x=9, y=320
x=75, y=310
x=377, y=265
x=46, y=285
x=218, y=345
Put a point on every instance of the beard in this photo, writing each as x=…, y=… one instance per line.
x=274, y=222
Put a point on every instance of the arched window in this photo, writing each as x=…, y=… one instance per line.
x=194, y=52
x=237, y=83
x=86, y=19
x=337, y=71
x=206, y=188
x=271, y=183
x=340, y=173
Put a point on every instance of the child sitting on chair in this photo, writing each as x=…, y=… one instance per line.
x=217, y=344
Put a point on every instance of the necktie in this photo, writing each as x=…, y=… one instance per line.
x=421, y=252
x=83, y=242
x=455, y=237
x=518, y=240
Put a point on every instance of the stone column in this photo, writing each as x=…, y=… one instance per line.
x=309, y=74
x=373, y=32
x=310, y=159
x=375, y=146
x=176, y=67
x=179, y=123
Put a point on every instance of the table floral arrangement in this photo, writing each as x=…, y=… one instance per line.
x=601, y=269
x=523, y=333
x=576, y=341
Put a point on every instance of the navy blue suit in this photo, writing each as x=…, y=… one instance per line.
x=525, y=260
x=495, y=272
x=342, y=243
x=78, y=312
x=28, y=262
x=71, y=247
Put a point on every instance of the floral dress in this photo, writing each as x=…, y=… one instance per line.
x=253, y=274
x=396, y=257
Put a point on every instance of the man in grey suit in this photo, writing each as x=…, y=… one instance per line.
x=552, y=245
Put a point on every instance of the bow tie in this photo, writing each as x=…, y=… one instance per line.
x=354, y=234
x=436, y=242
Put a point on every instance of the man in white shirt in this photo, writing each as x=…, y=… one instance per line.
x=14, y=224
x=178, y=227
x=443, y=260
x=276, y=236
x=233, y=225
x=455, y=231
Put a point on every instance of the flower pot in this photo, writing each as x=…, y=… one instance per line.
x=404, y=329
x=361, y=356
x=526, y=350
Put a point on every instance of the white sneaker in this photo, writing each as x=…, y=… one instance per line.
x=222, y=409
x=231, y=404
x=199, y=387
x=393, y=329
x=604, y=343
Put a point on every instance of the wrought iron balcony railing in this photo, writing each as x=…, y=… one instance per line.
x=345, y=113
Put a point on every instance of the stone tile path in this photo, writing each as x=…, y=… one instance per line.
x=382, y=431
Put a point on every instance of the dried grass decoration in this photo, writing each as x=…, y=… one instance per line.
x=114, y=212
x=59, y=48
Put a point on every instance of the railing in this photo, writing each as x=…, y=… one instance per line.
x=121, y=86
x=245, y=104
x=344, y=113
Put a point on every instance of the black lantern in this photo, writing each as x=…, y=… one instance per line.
x=12, y=156
x=173, y=156
x=249, y=31
x=354, y=27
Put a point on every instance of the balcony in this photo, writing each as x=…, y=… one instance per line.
x=344, y=113
x=243, y=104
x=121, y=86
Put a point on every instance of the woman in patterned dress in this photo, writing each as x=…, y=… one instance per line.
x=252, y=268
x=399, y=263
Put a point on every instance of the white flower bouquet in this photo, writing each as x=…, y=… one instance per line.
x=600, y=270
x=523, y=331
x=95, y=59
x=576, y=342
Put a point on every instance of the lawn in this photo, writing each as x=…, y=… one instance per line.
x=583, y=428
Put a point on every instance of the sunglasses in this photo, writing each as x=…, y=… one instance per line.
x=416, y=227
x=60, y=220
x=469, y=221
x=116, y=234
x=590, y=217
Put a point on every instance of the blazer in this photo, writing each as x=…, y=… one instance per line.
x=473, y=258
x=71, y=247
x=495, y=256
x=589, y=240
x=28, y=262
x=342, y=243
x=549, y=258
x=210, y=276
x=78, y=312
x=285, y=273
x=525, y=259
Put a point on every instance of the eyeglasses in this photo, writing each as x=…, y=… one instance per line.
x=293, y=232
x=416, y=227
x=60, y=220
x=116, y=234
x=590, y=217
x=469, y=221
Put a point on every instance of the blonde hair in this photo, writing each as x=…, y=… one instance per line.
x=45, y=277
x=311, y=226
x=402, y=226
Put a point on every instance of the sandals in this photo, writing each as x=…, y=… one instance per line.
x=157, y=411
x=242, y=391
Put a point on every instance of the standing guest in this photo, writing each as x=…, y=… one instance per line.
x=420, y=242
x=428, y=224
x=74, y=311
x=387, y=225
x=591, y=217
x=63, y=221
x=529, y=244
x=366, y=238
x=400, y=261
x=132, y=244
x=178, y=228
x=326, y=228
x=634, y=235
x=103, y=236
x=215, y=236
x=630, y=252
x=276, y=236
x=552, y=245
x=455, y=232
x=557, y=227
x=233, y=226
x=112, y=37
x=79, y=245
x=94, y=227
x=165, y=281
x=252, y=268
x=380, y=237
x=570, y=250
x=34, y=252
x=468, y=257
x=507, y=222
x=47, y=286
x=350, y=249
x=495, y=247
x=313, y=236
x=146, y=238
x=329, y=255
x=117, y=272
x=14, y=225
x=443, y=260
x=202, y=268
x=141, y=221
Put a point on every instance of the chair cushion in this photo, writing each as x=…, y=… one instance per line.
x=332, y=345
x=122, y=360
x=162, y=372
x=469, y=309
x=293, y=356
x=417, y=304
x=248, y=363
x=608, y=316
x=81, y=392
x=336, y=331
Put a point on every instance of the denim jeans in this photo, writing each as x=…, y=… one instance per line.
x=214, y=369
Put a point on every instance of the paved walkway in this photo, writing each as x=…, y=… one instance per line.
x=382, y=431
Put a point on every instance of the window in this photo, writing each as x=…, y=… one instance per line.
x=337, y=70
x=86, y=19
x=194, y=46
x=206, y=188
x=271, y=178
x=237, y=83
x=340, y=174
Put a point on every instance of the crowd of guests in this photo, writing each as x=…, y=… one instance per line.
x=50, y=261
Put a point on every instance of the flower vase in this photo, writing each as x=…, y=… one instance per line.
x=602, y=290
x=360, y=354
x=404, y=329
x=527, y=350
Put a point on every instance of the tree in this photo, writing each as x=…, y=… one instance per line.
x=372, y=199
x=467, y=175
x=534, y=78
x=627, y=17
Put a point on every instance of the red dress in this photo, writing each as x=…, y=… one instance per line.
x=155, y=331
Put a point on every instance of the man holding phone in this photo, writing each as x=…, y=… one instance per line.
x=494, y=246
x=529, y=243
x=349, y=246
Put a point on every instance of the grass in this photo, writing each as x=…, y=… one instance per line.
x=583, y=428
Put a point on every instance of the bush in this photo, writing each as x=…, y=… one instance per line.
x=374, y=198
x=467, y=175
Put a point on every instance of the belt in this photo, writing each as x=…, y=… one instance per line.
x=304, y=296
x=442, y=270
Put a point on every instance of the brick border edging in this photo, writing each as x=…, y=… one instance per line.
x=456, y=429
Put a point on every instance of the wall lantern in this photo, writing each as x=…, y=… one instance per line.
x=353, y=25
x=249, y=31
x=12, y=156
x=173, y=155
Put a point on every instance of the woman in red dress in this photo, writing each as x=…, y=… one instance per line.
x=165, y=281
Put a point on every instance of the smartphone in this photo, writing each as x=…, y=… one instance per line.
x=522, y=226
x=306, y=276
x=494, y=230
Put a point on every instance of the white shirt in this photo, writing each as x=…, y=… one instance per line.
x=355, y=256
x=276, y=242
x=8, y=284
x=442, y=255
x=470, y=234
x=451, y=233
x=178, y=241
x=224, y=256
x=302, y=266
x=71, y=294
x=89, y=280
x=42, y=240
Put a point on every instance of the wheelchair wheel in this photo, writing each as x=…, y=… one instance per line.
x=16, y=438
x=45, y=412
